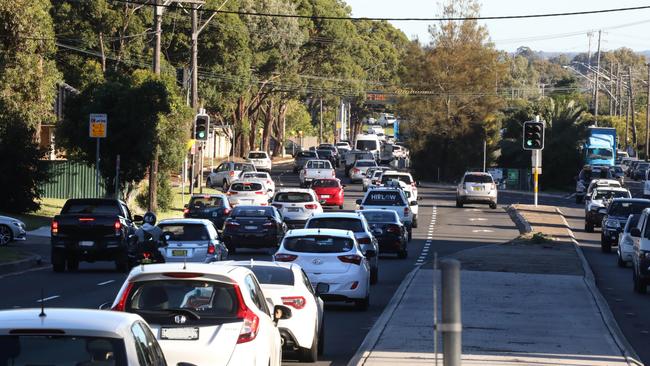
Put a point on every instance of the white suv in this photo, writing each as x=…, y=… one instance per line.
x=194, y=308
x=332, y=257
x=394, y=199
x=261, y=160
x=476, y=187
x=248, y=193
x=296, y=205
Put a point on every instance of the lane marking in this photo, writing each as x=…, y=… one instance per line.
x=105, y=282
x=483, y=231
x=477, y=219
x=48, y=298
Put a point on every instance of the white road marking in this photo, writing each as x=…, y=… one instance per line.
x=48, y=298
x=483, y=231
x=477, y=219
x=105, y=282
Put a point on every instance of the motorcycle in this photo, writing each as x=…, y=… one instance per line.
x=147, y=251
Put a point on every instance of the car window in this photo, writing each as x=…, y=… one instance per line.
x=246, y=187
x=185, y=232
x=366, y=145
x=35, y=349
x=384, y=198
x=147, y=355
x=254, y=175
x=341, y=223
x=293, y=197
x=250, y=211
x=256, y=294
x=365, y=163
x=306, y=154
x=257, y=155
x=324, y=153
x=478, y=178
x=400, y=177
x=383, y=216
x=325, y=183
x=318, y=244
x=604, y=195
x=318, y=164
x=272, y=275
x=632, y=221
x=206, y=202
x=91, y=207
x=625, y=209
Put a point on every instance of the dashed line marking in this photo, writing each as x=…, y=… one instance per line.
x=48, y=298
x=105, y=282
x=482, y=231
x=477, y=219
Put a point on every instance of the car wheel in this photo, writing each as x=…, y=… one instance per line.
x=6, y=235
x=402, y=254
x=640, y=287
x=58, y=261
x=374, y=275
x=72, y=264
x=605, y=245
x=340, y=207
x=415, y=222
x=410, y=234
x=589, y=227
x=493, y=205
x=459, y=204
x=363, y=304
x=619, y=261
x=224, y=185
x=321, y=337
x=310, y=354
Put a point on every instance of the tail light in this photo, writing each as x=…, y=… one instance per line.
x=355, y=170
x=278, y=206
x=364, y=241
x=230, y=193
x=117, y=225
x=393, y=229
x=231, y=173
x=304, y=172
x=182, y=274
x=54, y=226
x=232, y=225
x=121, y=304
x=311, y=206
x=280, y=257
x=259, y=192
x=251, y=325
x=211, y=249
x=353, y=259
x=296, y=302
x=406, y=211
x=226, y=211
x=86, y=219
x=186, y=212
x=493, y=186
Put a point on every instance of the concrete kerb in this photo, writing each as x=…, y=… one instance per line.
x=522, y=224
x=371, y=339
x=21, y=265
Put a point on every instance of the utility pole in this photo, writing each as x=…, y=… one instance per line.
x=647, y=119
x=596, y=79
x=153, y=166
x=619, y=91
x=612, y=92
x=630, y=102
x=195, y=100
x=320, y=131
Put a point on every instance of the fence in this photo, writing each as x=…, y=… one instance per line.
x=71, y=180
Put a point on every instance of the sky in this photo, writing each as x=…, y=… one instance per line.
x=559, y=34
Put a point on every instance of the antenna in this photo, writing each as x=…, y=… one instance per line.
x=42, y=314
x=184, y=263
x=252, y=264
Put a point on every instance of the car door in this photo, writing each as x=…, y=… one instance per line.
x=220, y=173
x=268, y=335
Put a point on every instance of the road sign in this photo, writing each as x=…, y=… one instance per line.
x=98, y=125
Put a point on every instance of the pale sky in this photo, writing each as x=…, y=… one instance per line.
x=569, y=34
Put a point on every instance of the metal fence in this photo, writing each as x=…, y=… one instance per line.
x=71, y=180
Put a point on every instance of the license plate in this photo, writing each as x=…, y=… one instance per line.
x=478, y=188
x=250, y=227
x=86, y=243
x=294, y=209
x=179, y=253
x=179, y=333
x=325, y=196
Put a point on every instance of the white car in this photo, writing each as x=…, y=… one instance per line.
x=226, y=173
x=372, y=177
x=602, y=183
x=259, y=177
x=296, y=205
x=261, y=160
x=205, y=314
x=477, y=187
x=333, y=257
x=316, y=169
x=388, y=198
x=409, y=183
x=77, y=337
x=376, y=130
x=359, y=169
x=11, y=229
x=626, y=242
x=413, y=204
x=248, y=193
x=343, y=145
x=287, y=284
x=599, y=198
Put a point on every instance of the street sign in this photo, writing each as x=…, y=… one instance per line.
x=98, y=125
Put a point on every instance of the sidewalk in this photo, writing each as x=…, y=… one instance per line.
x=523, y=303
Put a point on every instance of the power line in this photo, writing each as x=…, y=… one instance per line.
x=326, y=17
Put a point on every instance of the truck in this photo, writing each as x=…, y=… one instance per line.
x=93, y=229
x=600, y=146
x=316, y=169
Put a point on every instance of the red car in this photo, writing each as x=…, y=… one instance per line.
x=329, y=191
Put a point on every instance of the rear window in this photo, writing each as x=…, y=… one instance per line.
x=91, y=208
x=307, y=154
x=341, y=223
x=318, y=164
x=318, y=244
x=625, y=209
x=163, y=298
x=324, y=153
x=254, y=176
x=384, y=198
x=402, y=178
x=605, y=195
x=206, y=202
x=243, y=211
x=244, y=167
x=61, y=350
x=366, y=145
x=325, y=183
x=272, y=275
x=257, y=155
x=388, y=216
x=366, y=163
x=293, y=197
x=478, y=178
x=245, y=187
x=185, y=232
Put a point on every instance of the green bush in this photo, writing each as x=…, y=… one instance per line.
x=165, y=195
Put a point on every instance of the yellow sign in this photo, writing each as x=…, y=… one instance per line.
x=98, y=126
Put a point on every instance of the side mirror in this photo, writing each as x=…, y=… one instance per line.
x=370, y=253
x=358, y=202
x=138, y=218
x=105, y=306
x=417, y=183
x=322, y=288
x=635, y=232
x=281, y=312
x=413, y=203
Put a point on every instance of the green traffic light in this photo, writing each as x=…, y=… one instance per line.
x=529, y=143
x=201, y=134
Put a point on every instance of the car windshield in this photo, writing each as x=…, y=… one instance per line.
x=605, y=195
x=257, y=155
x=204, y=298
x=185, y=232
x=251, y=211
x=307, y=154
x=254, y=176
x=293, y=197
x=91, y=207
x=325, y=183
x=380, y=216
x=318, y=244
x=599, y=153
x=324, y=153
x=244, y=167
x=478, y=178
x=341, y=223
x=206, y=202
x=318, y=164
x=625, y=209
x=384, y=198
x=402, y=178
x=271, y=275
x=366, y=163
x=61, y=350
x=246, y=187
x=366, y=145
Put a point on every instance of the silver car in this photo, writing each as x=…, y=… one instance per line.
x=476, y=187
x=626, y=242
x=191, y=240
x=11, y=229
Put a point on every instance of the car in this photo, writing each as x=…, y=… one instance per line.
x=413, y=202
x=253, y=227
x=625, y=164
x=389, y=198
x=357, y=224
x=259, y=177
x=191, y=240
x=248, y=193
x=599, y=199
x=410, y=185
x=618, y=174
x=586, y=176
x=343, y=145
x=386, y=119
x=213, y=207
x=602, y=183
x=64, y=336
x=631, y=167
x=333, y=149
x=330, y=192
x=615, y=216
x=296, y=205
x=641, y=253
x=371, y=179
x=11, y=229
x=226, y=173
x=332, y=257
x=640, y=171
x=316, y=169
x=287, y=284
x=354, y=155
x=194, y=308
x=261, y=160
x=375, y=130
x=301, y=158
x=369, y=143
x=476, y=187
x=327, y=154
x=625, y=248
x=359, y=169
x=390, y=232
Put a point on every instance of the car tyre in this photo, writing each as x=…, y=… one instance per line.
x=640, y=287
x=410, y=234
x=321, y=337
x=310, y=354
x=415, y=222
x=619, y=261
x=459, y=204
x=6, y=236
x=72, y=264
x=58, y=261
x=589, y=227
x=493, y=205
x=362, y=304
x=605, y=245
x=374, y=275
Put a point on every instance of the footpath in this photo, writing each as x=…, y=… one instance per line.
x=531, y=301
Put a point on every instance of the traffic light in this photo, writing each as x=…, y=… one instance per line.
x=201, y=127
x=533, y=135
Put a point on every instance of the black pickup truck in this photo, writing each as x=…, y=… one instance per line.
x=91, y=230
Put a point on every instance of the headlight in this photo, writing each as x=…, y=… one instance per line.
x=611, y=224
x=19, y=224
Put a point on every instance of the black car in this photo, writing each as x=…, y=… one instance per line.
x=389, y=231
x=616, y=215
x=640, y=171
x=253, y=227
x=213, y=207
x=327, y=154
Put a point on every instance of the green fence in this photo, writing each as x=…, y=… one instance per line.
x=71, y=180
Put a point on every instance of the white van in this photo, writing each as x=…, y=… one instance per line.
x=370, y=143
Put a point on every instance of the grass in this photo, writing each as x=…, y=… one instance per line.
x=9, y=254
